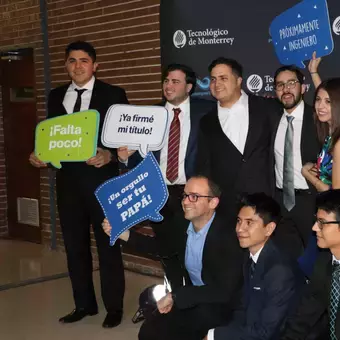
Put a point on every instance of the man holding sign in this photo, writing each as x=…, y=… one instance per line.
x=76, y=183
x=206, y=285
x=177, y=158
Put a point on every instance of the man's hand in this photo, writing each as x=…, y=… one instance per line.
x=124, y=153
x=36, y=162
x=206, y=337
x=165, y=304
x=100, y=159
x=107, y=230
x=106, y=227
x=314, y=64
x=309, y=168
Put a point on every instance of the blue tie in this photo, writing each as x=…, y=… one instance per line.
x=252, y=266
x=334, y=300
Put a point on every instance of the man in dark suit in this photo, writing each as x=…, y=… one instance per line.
x=317, y=316
x=76, y=183
x=271, y=280
x=209, y=262
x=235, y=138
x=295, y=143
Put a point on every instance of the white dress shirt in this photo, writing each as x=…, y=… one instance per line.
x=235, y=121
x=184, y=119
x=256, y=256
x=299, y=180
x=255, y=259
x=71, y=96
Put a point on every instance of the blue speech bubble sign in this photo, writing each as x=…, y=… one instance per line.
x=133, y=197
x=301, y=30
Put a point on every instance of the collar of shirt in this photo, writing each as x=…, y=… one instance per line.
x=335, y=260
x=183, y=106
x=203, y=231
x=89, y=85
x=297, y=113
x=256, y=256
x=242, y=102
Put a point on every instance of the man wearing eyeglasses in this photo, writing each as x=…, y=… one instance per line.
x=209, y=263
x=295, y=143
x=316, y=316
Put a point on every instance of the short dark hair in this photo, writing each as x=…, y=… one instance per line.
x=83, y=46
x=329, y=201
x=190, y=75
x=332, y=87
x=214, y=189
x=265, y=206
x=290, y=68
x=235, y=66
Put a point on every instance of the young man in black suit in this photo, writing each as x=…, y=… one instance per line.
x=271, y=280
x=295, y=195
x=234, y=142
x=76, y=183
x=209, y=262
x=317, y=316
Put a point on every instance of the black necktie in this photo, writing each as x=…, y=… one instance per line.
x=77, y=105
x=252, y=266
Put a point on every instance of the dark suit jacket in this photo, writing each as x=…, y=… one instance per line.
x=267, y=297
x=103, y=96
x=198, y=108
x=310, y=146
x=220, y=159
x=221, y=263
x=311, y=318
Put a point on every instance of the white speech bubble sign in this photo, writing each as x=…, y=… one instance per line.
x=140, y=128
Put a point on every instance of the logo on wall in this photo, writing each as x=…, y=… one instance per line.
x=336, y=26
x=254, y=83
x=179, y=39
x=207, y=36
x=204, y=83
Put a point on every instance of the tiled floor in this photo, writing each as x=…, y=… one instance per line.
x=31, y=312
x=22, y=261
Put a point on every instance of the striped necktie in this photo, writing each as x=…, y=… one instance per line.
x=173, y=147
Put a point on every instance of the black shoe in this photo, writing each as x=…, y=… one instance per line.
x=76, y=315
x=113, y=319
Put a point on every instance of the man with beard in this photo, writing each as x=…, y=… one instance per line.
x=295, y=143
x=235, y=138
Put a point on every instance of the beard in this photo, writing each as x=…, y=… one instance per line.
x=291, y=105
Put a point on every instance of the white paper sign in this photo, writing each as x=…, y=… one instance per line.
x=140, y=128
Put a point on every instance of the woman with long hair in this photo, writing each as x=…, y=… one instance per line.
x=325, y=174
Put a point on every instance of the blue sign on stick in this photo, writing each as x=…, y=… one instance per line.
x=133, y=197
x=301, y=30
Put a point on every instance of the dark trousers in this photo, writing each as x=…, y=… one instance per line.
x=294, y=230
x=187, y=324
x=78, y=210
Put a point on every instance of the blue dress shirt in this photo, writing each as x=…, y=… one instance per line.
x=194, y=252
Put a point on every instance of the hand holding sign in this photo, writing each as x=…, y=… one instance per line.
x=301, y=30
x=133, y=197
x=68, y=138
x=138, y=127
